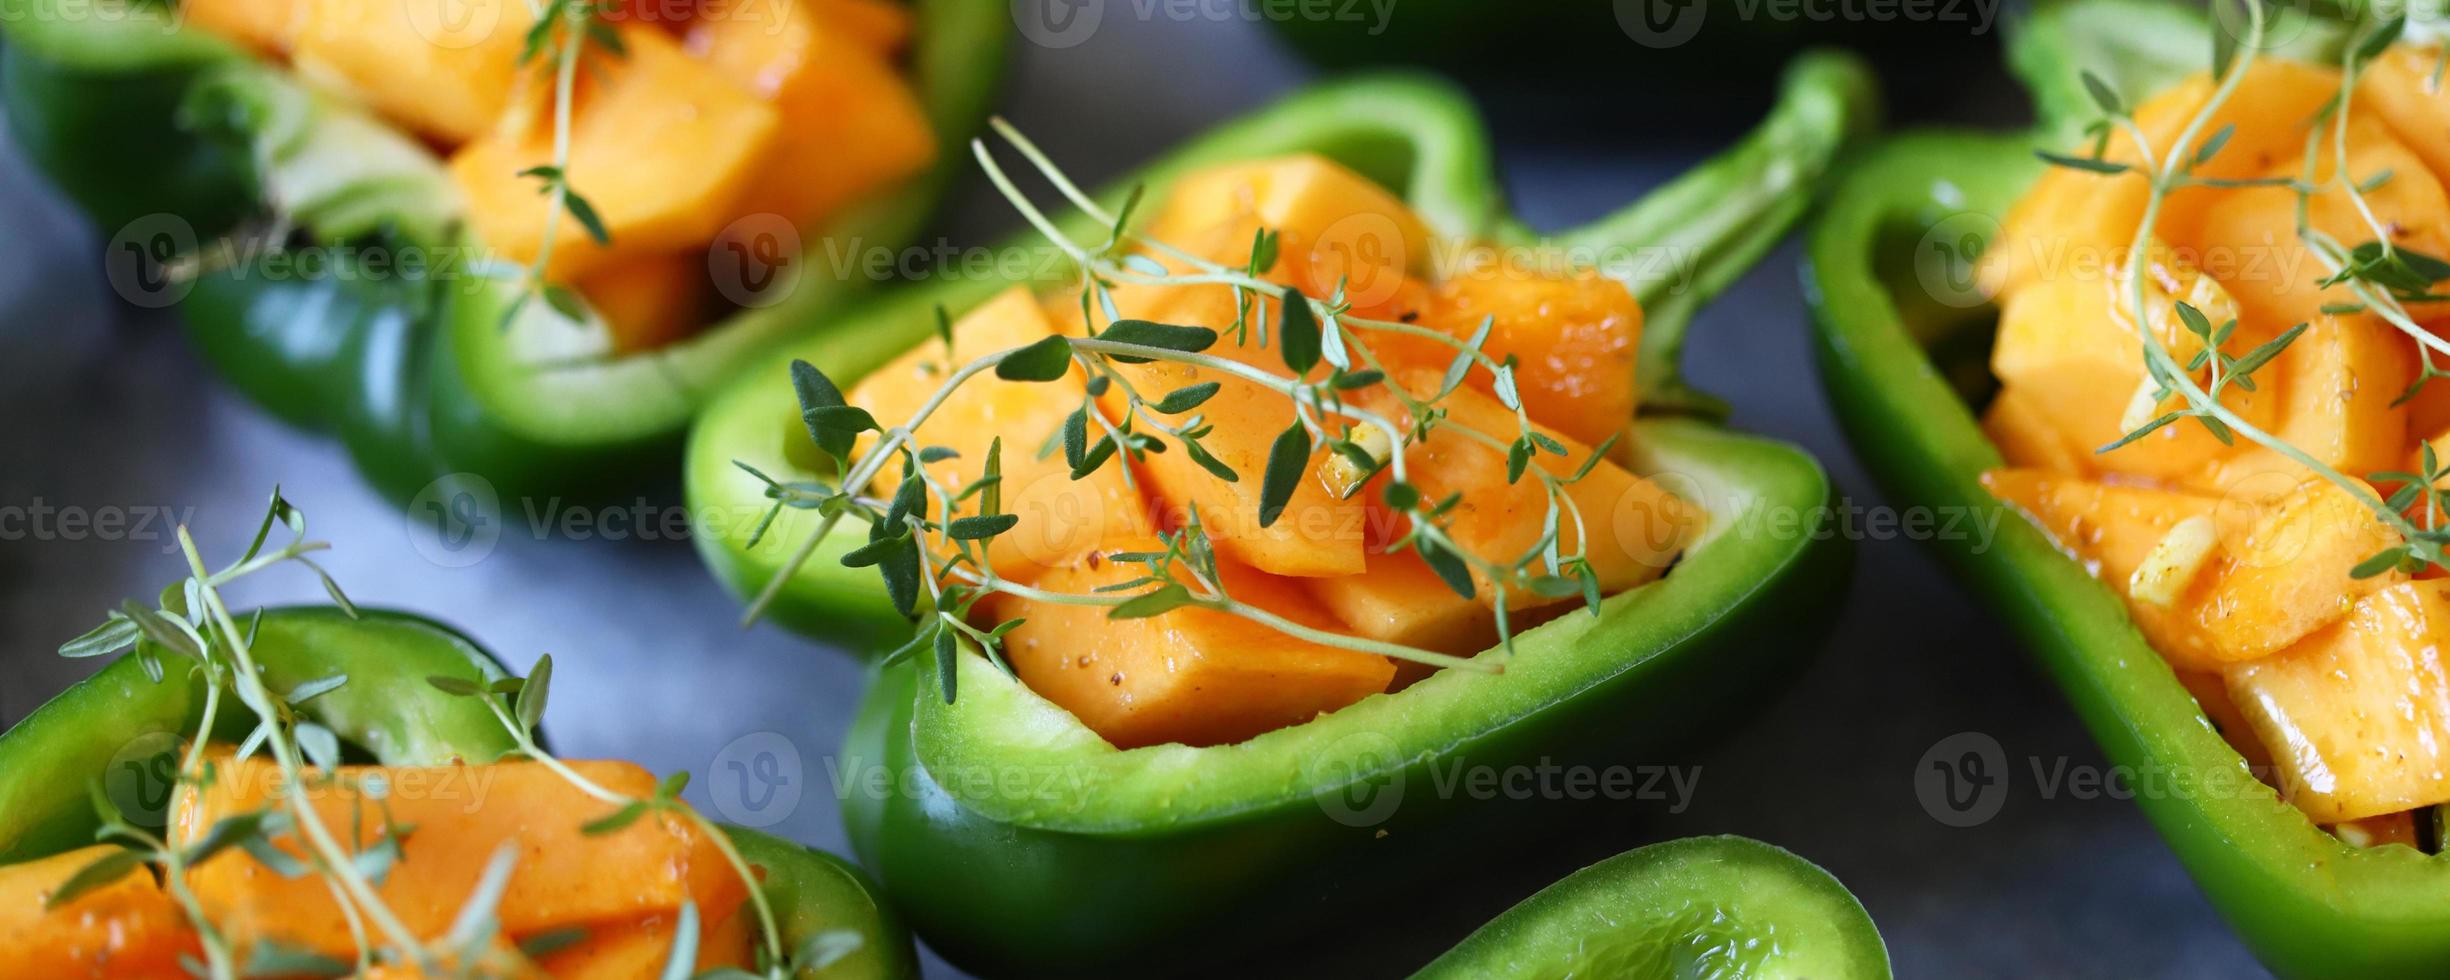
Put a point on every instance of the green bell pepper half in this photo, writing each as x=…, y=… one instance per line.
x=1905, y=373
x=391, y=339
x=388, y=712
x=1700, y=906
x=1019, y=841
x=1411, y=134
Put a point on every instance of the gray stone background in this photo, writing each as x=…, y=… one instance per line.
x=102, y=407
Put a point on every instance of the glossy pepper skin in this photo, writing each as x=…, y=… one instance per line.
x=1019, y=842
x=1904, y=373
x=1744, y=907
x=120, y=719
x=170, y=139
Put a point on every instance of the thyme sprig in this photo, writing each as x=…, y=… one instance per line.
x=2382, y=275
x=1328, y=360
x=191, y=627
x=193, y=622
x=563, y=29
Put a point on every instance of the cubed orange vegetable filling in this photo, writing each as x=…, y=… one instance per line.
x=2239, y=561
x=129, y=928
x=460, y=815
x=1201, y=675
x=1195, y=676
x=708, y=116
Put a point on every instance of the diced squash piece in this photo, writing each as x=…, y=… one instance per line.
x=650, y=301
x=2402, y=87
x=2281, y=573
x=2428, y=414
x=851, y=123
x=1636, y=528
x=2067, y=347
x=2340, y=383
x=882, y=25
x=1399, y=600
x=444, y=68
x=461, y=815
x=2074, y=219
x=2277, y=280
x=662, y=147
x=2337, y=383
x=1061, y=518
x=129, y=928
x=267, y=27
x=1334, y=225
x=1319, y=532
x=2358, y=716
x=2287, y=575
x=1195, y=676
x=2211, y=693
x=641, y=947
x=1574, y=338
x=2026, y=438
x=2112, y=529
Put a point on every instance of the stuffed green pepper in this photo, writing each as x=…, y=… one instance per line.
x=519, y=241
x=2185, y=331
x=328, y=791
x=1297, y=468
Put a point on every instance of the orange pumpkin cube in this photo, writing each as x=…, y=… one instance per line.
x=1334, y=226
x=1061, y=518
x=2337, y=384
x=662, y=147
x=1398, y=599
x=2358, y=715
x=1574, y=338
x=444, y=68
x=129, y=928
x=1635, y=528
x=2027, y=440
x=2072, y=220
x=1319, y=532
x=2277, y=281
x=1194, y=676
x=851, y=125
